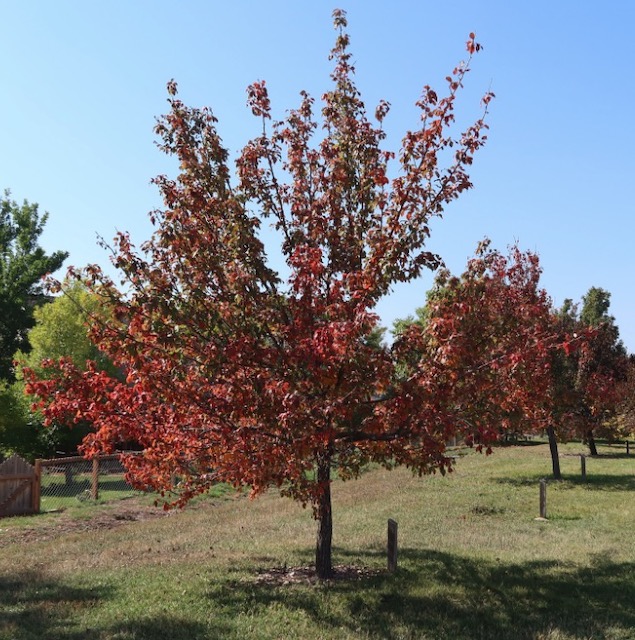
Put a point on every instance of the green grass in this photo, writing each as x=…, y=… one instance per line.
x=474, y=562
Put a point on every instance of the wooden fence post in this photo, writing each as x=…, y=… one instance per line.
x=543, y=499
x=392, y=546
x=94, y=493
x=36, y=488
x=583, y=465
x=628, y=448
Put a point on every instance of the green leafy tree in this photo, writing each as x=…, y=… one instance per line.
x=603, y=370
x=590, y=383
x=595, y=310
x=626, y=416
x=20, y=431
x=23, y=263
x=60, y=331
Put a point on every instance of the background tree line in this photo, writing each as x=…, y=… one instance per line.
x=36, y=327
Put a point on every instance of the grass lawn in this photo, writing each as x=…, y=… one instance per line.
x=473, y=560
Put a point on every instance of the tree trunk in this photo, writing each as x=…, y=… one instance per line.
x=553, y=447
x=590, y=440
x=323, y=555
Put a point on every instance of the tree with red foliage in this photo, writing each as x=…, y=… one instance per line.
x=486, y=341
x=511, y=363
x=234, y=373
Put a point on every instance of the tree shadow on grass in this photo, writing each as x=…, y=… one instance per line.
x=35, y=607
x=166, y=628
x=596, y=481
x=442, y=596
x=605, y=455
x=519, y=442
x=604, y=482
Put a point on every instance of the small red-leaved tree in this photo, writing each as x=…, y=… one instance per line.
x=234, y=373
x=484, y=345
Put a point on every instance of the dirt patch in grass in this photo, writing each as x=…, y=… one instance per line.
x=60, y=525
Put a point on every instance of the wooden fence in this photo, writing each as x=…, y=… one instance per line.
x=19, y=487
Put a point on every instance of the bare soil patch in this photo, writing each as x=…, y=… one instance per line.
x=104, y=517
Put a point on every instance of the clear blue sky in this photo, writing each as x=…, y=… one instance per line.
x=82, y=82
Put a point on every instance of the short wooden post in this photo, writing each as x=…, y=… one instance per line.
x=94, y=493
x=583, y=465
x=392, y=546
x=36, y=489
x=543, y=499
x=628, y=448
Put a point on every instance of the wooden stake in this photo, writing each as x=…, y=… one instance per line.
x=36, y=491
x=94, y=493
x=392, y=546
x=583, y=465
x=543, y=499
